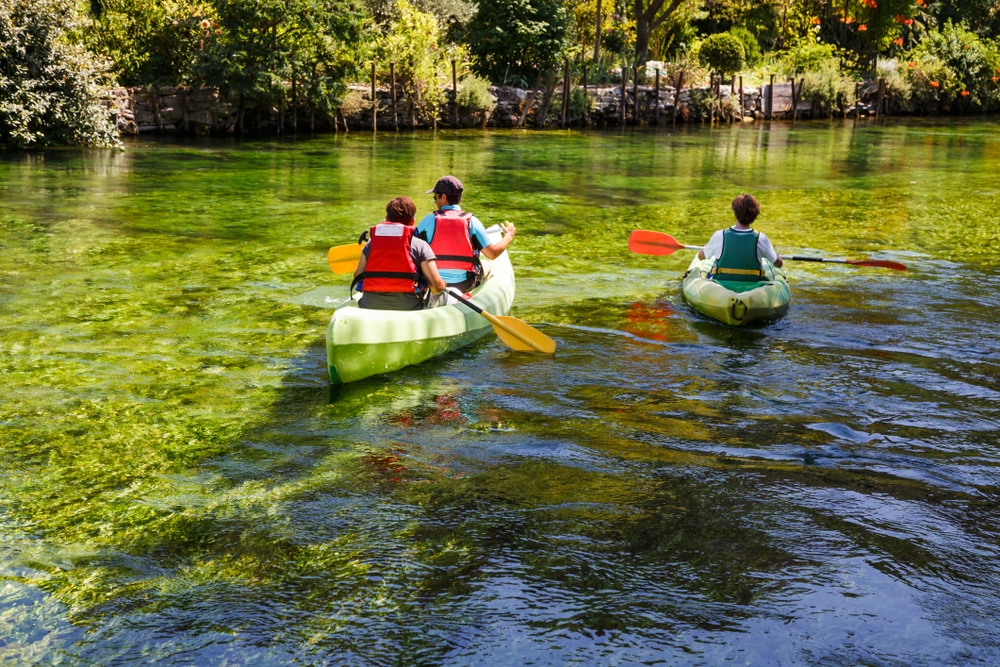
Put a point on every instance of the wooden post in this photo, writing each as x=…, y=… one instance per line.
x=454, y=94
x=857, y=97
x=770, y=99
x=392, y=77
x=185, y=98
x=795, y=101
x=374, y=102
x=565, y=104
x=677, y=95
x=621, y=109
x=656, y=94
x=156, y=110
x=711, y=98
x=586, y=98
x=636, y=109
x=743, y=103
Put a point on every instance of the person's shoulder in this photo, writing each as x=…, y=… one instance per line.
x=426, y=220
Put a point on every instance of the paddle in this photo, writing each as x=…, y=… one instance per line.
x=884, y=263
x=344, y=258
x=645, y=242
x=513, y=332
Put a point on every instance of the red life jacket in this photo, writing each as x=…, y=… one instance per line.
x=452, y=242
x=390, y=266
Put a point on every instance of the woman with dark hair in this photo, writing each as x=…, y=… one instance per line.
x=396, y=270
x=739, y=249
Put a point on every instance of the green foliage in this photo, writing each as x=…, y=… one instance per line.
x=423, y=66
x=265, y=49
x=518, y=39
x=809, y=57
x=751, y=47
x=826, y=88
x=722, y=52
x=49, y=86
x=149, y=41
x=953, y=69
x=474, y=94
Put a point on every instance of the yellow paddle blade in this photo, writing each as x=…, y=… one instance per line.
x=520, y=336
x=344, y=258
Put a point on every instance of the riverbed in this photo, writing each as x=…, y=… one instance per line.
x=179, y=483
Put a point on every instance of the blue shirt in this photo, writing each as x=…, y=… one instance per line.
x=480, y=238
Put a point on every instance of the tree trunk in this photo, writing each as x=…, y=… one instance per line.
x=550, y=92
x=597, y=34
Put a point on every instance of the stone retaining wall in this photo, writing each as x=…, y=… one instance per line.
x=183, y=110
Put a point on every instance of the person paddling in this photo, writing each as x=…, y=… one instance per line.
x=739, y=249
x=457, y=237
x=396, y=270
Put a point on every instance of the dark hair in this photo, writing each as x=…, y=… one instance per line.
x=453, y=200
x=746, y=209
x=400, y=209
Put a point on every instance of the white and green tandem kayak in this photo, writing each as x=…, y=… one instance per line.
x=361, y=342
x=736, y=303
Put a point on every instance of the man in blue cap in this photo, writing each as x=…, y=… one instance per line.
x=458, y=237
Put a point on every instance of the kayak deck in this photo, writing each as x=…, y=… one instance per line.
x=744, y=304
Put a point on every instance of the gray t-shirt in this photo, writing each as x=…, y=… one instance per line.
x=420, y=251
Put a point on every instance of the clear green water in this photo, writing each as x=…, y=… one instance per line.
x=179, y=485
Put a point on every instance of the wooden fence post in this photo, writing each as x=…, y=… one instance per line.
x=454, y=94
x=656, y=112
x=743, y=104
x=621, y=107
x=770, y=99
x=565, y=101
x=392, y=77
x=374, y=102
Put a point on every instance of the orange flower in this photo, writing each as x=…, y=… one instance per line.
x=815, y=20
x=964, y=93
x=899, y=18
x=898, y=41
x=850, y=20
x=206, y=24
x=862, y=27
x=933, y=84
x=912, y=63
x=996, y=78
x=908, y=22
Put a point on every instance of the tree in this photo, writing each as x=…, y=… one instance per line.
x=518, y=41
x=723, y=53
x=650, y=15
x=265, y=50
x=49, y=86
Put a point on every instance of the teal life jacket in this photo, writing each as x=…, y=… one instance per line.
x=739, y=261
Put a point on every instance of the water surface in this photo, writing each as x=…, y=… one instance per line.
x=179, y=484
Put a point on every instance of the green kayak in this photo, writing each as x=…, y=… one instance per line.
x=361, y=342
x=736, y=303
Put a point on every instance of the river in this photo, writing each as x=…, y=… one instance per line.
x=180, y=485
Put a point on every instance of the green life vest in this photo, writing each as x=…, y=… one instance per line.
x=739, y=261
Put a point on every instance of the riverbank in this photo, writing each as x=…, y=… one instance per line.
x=182, y=110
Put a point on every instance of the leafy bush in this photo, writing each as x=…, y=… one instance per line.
x=474, y=94
x=751, y=47
x=809, y=57
x=826, y=88
x=722, y=52
x=954, y=69
x=148, y=41
x=49, y=86
x=422, y=65
x=518, y=39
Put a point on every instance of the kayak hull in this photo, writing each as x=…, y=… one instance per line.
x=765, y=302
x=362, y=342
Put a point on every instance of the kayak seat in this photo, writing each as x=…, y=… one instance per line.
x=740, y=286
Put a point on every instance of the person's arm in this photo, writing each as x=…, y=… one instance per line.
x=493, y=250
x=767, y=249
x=434, y=279
x=362, y=261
